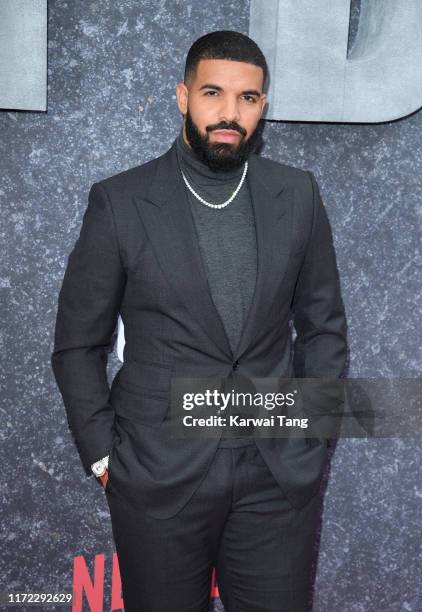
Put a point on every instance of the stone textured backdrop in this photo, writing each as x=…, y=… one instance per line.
x=112, y=71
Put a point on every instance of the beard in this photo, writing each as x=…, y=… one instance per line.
x=222, y=156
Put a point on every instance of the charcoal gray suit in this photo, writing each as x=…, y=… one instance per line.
x=137, y=255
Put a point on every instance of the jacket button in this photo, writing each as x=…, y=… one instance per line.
x=235, y=364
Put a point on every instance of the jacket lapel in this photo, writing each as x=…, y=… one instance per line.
x=272, y=202
x=167, y=218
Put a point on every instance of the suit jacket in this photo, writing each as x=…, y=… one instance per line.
x=137, y=255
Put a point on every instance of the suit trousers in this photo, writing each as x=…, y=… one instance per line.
x=240, y=522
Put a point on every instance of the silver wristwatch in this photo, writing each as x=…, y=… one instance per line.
x=99, y=467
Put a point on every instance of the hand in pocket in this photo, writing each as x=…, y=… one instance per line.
x=103, y=479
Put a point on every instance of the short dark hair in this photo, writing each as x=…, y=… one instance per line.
x=224, y=44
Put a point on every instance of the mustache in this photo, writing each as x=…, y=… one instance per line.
x=227, y=126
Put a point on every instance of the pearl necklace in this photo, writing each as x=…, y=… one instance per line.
x=231, y=198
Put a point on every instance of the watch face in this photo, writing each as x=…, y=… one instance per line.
x=98, y=469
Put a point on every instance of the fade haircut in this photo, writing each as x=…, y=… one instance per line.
x=224, y=44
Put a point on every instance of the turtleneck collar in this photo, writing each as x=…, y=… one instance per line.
x=197, y=169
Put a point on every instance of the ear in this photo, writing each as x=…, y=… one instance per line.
x=263, y=102
x=182, y=95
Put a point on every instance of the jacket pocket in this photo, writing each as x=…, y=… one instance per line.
x=141, y=392
x=149, y=409
x=144, y=376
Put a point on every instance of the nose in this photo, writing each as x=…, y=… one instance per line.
x=229, y=111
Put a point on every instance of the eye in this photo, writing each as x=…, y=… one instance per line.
x=210, y=92
x=251, y=99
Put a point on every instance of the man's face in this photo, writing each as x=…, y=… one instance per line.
x=222, y=108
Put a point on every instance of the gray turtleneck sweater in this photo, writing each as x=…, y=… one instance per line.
x=227, y=242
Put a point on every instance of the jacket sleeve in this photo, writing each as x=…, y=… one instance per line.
x=88, y=308
x=320, y=347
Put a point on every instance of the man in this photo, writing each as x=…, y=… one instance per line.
x=206, y=252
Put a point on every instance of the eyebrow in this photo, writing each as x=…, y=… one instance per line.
x=249, y=92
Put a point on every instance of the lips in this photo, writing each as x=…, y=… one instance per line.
x=227, y=135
